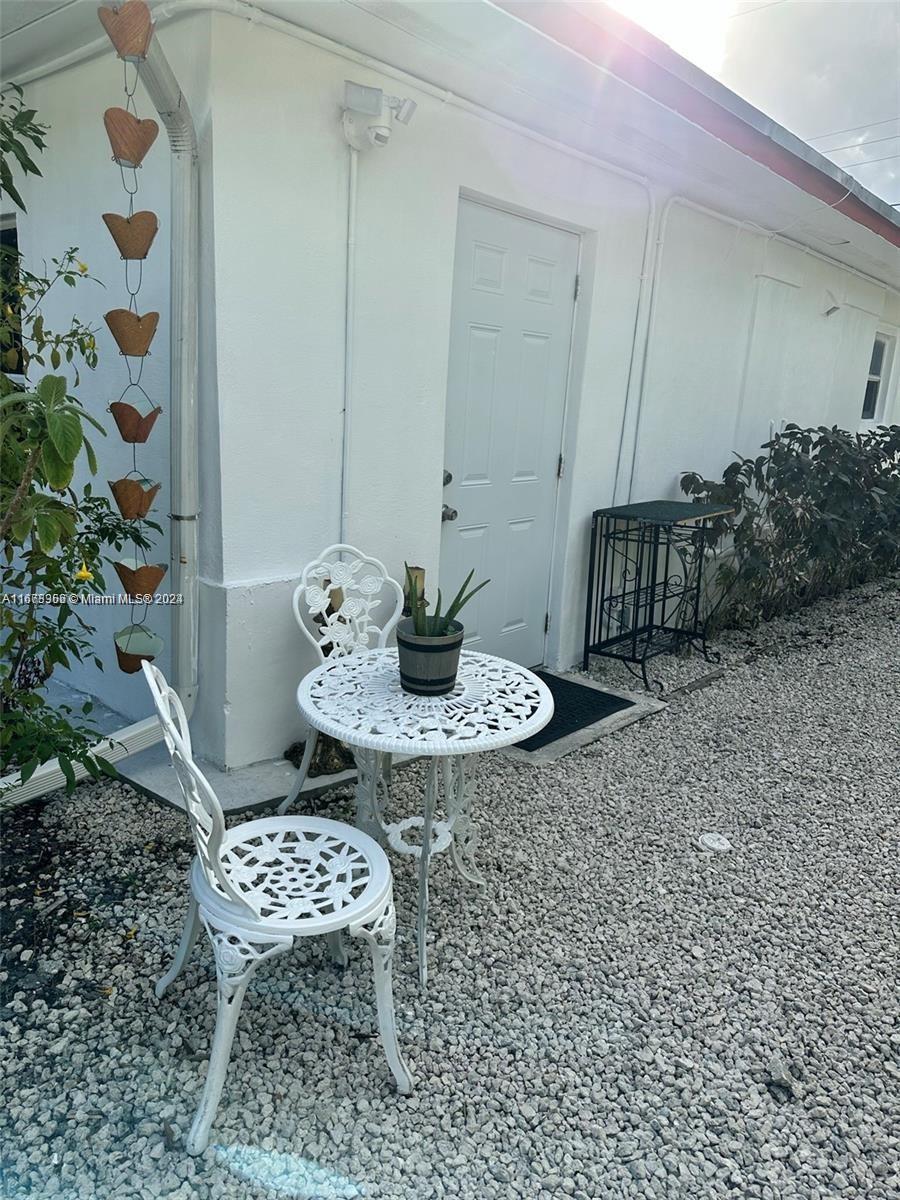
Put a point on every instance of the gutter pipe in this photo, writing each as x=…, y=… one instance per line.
x=169, y=101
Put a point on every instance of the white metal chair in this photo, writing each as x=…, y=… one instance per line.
x=336, y=604
x=262, y=884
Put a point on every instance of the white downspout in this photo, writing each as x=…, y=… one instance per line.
x=169, y=101
x=349, y=308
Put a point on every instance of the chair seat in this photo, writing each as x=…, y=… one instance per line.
x=299, y=875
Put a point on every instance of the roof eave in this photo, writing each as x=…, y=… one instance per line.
x=612, y=43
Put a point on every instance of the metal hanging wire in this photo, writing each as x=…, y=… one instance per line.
x=131, y=186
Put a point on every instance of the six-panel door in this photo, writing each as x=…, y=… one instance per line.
x=511, y=328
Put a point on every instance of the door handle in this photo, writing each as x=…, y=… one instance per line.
x=448, y=513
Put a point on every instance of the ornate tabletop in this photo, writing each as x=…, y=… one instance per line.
x=358, y=699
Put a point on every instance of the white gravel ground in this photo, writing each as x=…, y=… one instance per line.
x=623, y=1015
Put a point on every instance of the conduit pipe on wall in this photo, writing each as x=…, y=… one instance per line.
x=349, y=307
x=652, y=295
x=640, y=334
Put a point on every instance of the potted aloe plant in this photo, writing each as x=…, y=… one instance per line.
x=429, y=644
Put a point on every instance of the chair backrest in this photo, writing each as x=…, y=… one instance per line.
x=203, y=809
x=338, y=598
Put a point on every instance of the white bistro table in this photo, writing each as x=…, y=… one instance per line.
x=358, y=699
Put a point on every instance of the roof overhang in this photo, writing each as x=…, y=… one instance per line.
x=612, y=43
x=595, y=82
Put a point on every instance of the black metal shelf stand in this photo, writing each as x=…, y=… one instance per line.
x=645, y=581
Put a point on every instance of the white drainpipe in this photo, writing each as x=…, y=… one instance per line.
x=169, y=101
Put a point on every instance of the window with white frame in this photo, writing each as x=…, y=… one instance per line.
x=877, y=382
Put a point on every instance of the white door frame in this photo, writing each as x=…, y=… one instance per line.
x=516, y=210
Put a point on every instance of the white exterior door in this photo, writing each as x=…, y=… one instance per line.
x=511, y=329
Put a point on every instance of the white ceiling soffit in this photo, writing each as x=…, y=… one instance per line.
x=34, y=31
x=480, y=53
x=17, y=14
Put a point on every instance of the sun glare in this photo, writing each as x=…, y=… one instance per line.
x=696, y=29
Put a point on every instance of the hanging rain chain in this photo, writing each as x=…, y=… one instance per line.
x=130, y=29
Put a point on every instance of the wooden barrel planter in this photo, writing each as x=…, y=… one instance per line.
x=428, y=665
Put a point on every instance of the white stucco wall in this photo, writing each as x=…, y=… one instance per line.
x=723, y=334
x=740, y=343
x=280, y=215
x=726, y=354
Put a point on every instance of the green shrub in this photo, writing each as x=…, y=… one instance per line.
x=817, y=513
x=53, y=530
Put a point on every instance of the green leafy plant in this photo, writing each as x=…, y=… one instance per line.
x=24, y=339
x=18, y=131
x=437, y=624
x=53, y=533
x=818, y=512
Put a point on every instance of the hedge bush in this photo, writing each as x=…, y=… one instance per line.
x=818, y=512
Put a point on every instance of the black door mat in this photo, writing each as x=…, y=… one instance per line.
x=576, y=705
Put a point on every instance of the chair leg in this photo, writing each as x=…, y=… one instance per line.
x=308, y=751
x=336, y=948
x=188, y=936
x=236, y=960
x=379, y=933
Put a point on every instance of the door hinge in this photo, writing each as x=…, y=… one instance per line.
x=546, y=622
x=559, y=466
x=577, y=287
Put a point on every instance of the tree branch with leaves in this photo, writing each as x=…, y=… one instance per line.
x=53, y=532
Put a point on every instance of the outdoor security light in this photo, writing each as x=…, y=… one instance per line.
x=363, y=99
x=403, y=110
x=362, y=102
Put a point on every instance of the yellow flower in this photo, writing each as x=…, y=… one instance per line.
x=83, y=575
x=82, y=267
